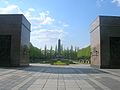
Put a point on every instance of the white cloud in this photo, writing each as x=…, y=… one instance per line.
x=45, y=30
x=11, y=9
x=37, y=27
x=66, y=25
x=116, y=1
x=98, y=3
x=42, y=18
x=45, y=34
x=63, y=24
x=45, y=18
x=49, y=37
x=31, y=9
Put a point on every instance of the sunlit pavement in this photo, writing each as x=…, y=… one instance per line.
x=50, y=77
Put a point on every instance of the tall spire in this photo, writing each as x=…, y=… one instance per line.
x=59, y=46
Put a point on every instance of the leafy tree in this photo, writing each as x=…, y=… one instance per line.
x=84, y=53
x=45, y=52
x=51, y=55
x=35, y=53
x=74, y=53
x=56, y=51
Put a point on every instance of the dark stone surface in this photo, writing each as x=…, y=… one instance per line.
x=18, y=28
x=105, y=32
x=59, y=46
x=5, y=46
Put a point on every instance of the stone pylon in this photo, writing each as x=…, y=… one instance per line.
x=59, y=47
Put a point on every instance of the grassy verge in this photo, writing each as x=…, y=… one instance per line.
x=60, y=62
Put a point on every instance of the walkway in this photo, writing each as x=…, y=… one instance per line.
x=48, y=77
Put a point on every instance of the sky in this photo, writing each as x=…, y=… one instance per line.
x=68, y=20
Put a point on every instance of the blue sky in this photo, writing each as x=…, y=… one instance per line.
x=68, y=20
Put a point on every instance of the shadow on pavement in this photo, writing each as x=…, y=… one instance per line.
x=58, y=69
x=64, y=70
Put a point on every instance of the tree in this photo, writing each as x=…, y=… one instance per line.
x=35, y=53
x=74, y=53
x=71, y=52
x=45, y=52
x=56, y=51
x=68, y=53
x=84, y=53
x=51, y=52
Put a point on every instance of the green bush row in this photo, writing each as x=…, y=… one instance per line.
x=61, y=62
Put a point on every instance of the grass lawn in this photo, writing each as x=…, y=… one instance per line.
x=60, y=62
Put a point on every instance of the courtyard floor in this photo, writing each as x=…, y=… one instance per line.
x=51, y=77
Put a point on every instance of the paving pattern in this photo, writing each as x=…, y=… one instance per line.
x=50, y=77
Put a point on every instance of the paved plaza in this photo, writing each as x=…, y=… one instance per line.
x=51, y=77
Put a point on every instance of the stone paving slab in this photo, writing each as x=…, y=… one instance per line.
x=51, y=77
x=112, y=71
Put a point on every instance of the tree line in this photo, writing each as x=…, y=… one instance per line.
x=72, y=53
x=84, y=53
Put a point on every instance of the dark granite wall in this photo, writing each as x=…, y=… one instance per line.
x=102, y=29
x=15, y=25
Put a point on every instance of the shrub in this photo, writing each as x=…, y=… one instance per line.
x=60, y=62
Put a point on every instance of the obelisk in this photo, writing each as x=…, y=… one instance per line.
x=59, y=47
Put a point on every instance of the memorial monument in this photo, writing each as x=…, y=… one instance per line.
x=14, y=40
x=59, y=47
x=105, y=42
